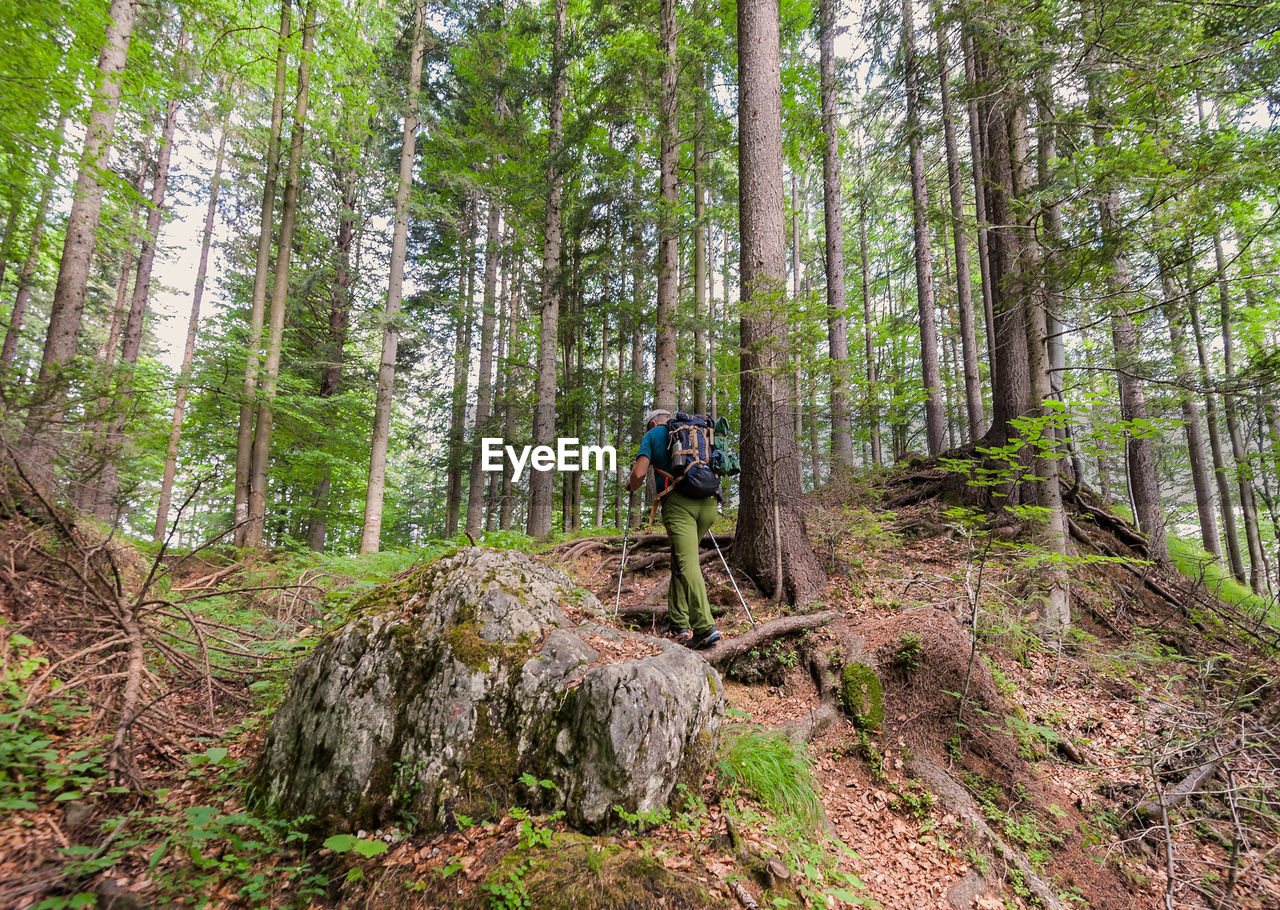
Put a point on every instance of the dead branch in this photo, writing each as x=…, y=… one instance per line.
x=1150, y=809
x=718, y=655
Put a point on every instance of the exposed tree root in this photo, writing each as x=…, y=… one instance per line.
x=957, y=800
x=719, y=655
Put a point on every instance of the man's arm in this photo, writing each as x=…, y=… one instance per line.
x=636, y=480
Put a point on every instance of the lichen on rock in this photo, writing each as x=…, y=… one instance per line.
x=440, y=694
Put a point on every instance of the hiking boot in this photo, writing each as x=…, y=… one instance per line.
x=705, y=639
x=679, y=636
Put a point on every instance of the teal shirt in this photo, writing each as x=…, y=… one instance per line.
x=654, y=445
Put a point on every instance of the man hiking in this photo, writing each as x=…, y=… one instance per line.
x=686, y=520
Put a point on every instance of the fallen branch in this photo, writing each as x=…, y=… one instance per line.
x=1150, y=809
x=719, y=655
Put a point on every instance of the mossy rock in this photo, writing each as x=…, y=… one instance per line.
x=443, y=691
x=862, y=696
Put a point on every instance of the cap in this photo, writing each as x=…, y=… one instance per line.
x=655, y=414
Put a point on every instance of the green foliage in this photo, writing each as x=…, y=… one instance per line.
x=774, y=770
x=906, y=656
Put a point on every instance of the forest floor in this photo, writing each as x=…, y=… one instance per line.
x=1009, y=770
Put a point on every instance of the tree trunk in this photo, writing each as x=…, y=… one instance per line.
x=1244, y=469
x=464, y=316
x=699, y=247
x=1190, y=410
x=771, y=543
x=931, y=377
x=507, y=508
x=67, y=309
x=189, y=349
x=664, y=386
x=1003, y=125
x=26, y=276
x=978, y=153
x=257, y=312
x=542, y=483
x=347, y=174
x=964, y=288
x=837, y=322
x=1230, y=532
x=1057, y=598
x=1143, y=484
x=279, y=295
x=108, y=484
x=868, y=329
x=371, y=531
x=484, y=390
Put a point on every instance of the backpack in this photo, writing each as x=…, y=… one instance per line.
x=691, y=443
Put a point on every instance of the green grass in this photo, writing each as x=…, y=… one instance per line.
x=1199, y=566
x=774, y=770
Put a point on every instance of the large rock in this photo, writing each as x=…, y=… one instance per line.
x=454, y=682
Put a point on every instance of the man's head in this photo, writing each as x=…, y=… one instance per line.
x=655, y=417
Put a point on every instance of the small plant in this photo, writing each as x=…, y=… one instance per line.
x=644, y=820
x=914, y=799
x=907, y=657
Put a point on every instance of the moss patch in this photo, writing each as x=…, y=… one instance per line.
x=862, y=695
x=471, y=648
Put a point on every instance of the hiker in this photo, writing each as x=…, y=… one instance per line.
x=686, y=519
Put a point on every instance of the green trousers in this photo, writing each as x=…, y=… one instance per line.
x=686, y=521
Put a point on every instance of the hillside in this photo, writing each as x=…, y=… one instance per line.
x=1006, y=770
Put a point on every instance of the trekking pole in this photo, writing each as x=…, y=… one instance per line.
x=622, y=565
x=725, y=563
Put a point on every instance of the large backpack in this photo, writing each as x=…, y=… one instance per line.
x=691, y=441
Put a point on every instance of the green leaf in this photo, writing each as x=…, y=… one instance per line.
x=340, y=843
x=367, y=848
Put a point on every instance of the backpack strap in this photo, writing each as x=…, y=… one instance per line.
x=670, y=485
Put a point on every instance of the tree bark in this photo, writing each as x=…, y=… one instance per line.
x=66, y=312
x=27, y=274
x=279, y=294
x=699, y=246
x=1003, y=125
x=931, y=377
x=371, y=530
x=837, y=321
x=104, y=507
x=1244, y=469
x=463, y=318
x=335, y=340
x=189, y=349
x=974, y=408
x=664, y=386
x=507, y=509
x=542, y=483
x=1190, y=410
x=978, y=155
x=484, y=389
x=1143, y=484
x=257, y=312
x=868, y=329
x=1230, y=533
x=771, y=543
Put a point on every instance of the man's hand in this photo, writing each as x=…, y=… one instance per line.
x=636, y=480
